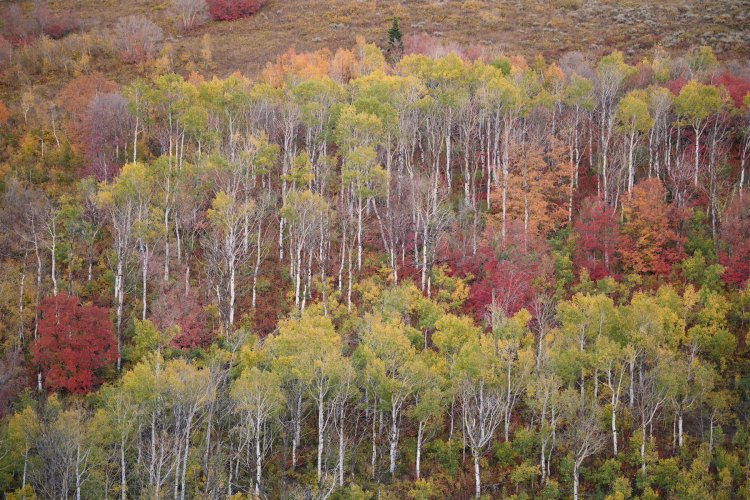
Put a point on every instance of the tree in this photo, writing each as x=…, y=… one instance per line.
x=480, y=394
x=307, y=214
x=76, y=98
x=745, y=145
x=137, y=38
x=429, y=397
x=734, y=242
x=76, y=343
x=584, y=437
x=596, y=235
x=385, y=354
x=635, y=120
x=13, y=378
x=307, y=355
x=395, y=47
x=106, y=126
x=695, y=105
x=611, y=73
x=191, y=12
x=258, y=397
x=578, y=95
x=649, y=242
x=125, y=201
x=183, y=310
x=225, y=249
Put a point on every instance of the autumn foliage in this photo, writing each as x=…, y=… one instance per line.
x=228, y=10
x=734, y=251
x=75, y=344
x=650, y=243
x=181, y=308
x=596, y=238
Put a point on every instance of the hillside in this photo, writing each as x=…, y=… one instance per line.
x=526, y=27
x=374, y=250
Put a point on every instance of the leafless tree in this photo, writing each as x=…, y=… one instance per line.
x=137, y=38
x=191, y=13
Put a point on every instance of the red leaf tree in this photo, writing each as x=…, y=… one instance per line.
x=501, y=273
x=596, y=238
x=734, y=247
x=75, y=344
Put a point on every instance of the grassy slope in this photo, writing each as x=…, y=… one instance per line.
x=525, y=27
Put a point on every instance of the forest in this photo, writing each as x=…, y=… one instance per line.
x=399, y=270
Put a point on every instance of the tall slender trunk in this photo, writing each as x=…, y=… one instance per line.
x=477, y=479
x=53, y=259
x=342, y=448
x=258, y=458
x=614, y=425
x=420, y=435
x=321, y=420
x=123, y=479
x=643, y=447
x=144, y=283
x=120, y=297
x=374, y=456
x=393, y=440
x=231, y=292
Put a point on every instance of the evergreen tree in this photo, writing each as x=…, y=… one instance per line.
x=395, y=42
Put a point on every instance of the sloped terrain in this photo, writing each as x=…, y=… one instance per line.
x=505, y=26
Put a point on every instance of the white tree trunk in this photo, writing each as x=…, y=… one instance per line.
x=477, y=479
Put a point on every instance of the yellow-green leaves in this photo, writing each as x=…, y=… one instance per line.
x=633, y=113
x=697, y=102
x=258, y=391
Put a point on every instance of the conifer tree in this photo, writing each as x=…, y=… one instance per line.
x=395, y=42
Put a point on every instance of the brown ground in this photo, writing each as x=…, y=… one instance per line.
x=525, y=27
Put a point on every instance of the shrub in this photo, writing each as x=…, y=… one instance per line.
x=228, y=10
x=569, y=4
x=76, y=343
x=137, y=38
x=54, y=26
x=20, y=28
x=191, y=13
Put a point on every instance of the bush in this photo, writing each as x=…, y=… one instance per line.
x=569, y=4
x=191, y=13
x=20, y=28
x=228, y=10
x=137, y=38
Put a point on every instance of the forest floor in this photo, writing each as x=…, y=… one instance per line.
x=526, y=27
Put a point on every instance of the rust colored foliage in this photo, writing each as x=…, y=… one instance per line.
x=176, y=307
x=228, y=10
x=4, y=113
x=734, y=249
x=536, y=188
x=596, y=238
x=76, y=99
x=76, y=343
x=649, y=243
x=305, y=66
